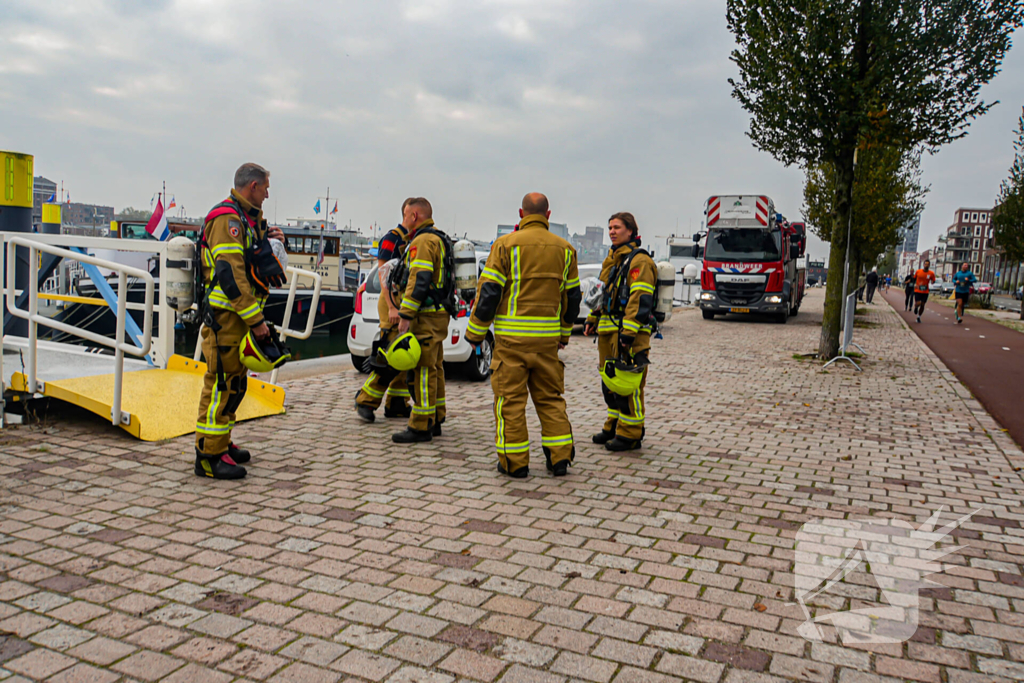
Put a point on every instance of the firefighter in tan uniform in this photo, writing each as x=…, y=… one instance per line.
x=425, y=311
x=530, y=290
x=235, y=292
x=385, y=384
x=623, y=325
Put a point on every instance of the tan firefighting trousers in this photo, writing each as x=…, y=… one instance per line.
x=514, y=373
x=625, y=413
x=426, y=381
x=377, y=386
x=218, y=404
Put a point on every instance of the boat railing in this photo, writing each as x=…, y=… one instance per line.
x=294, y=274
x=34, y=318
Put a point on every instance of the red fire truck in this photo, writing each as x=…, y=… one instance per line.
x=750, y=259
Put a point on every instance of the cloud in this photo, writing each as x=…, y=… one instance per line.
x=604, y=105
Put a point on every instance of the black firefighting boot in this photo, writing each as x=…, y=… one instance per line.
x=239, y=455
x=397, y=408
x=364, y=413
x=411, y=435
x=603, y=437
x=522, y=473
x=620, y=444
x=560, y=468
x=436, y=430
x=217, y=466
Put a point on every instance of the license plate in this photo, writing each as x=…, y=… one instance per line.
x=739, y=310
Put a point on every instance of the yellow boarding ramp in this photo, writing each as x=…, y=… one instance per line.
x=156, y=404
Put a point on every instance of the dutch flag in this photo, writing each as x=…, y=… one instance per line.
x=157, y=225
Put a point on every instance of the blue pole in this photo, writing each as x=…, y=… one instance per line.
x=103, y=287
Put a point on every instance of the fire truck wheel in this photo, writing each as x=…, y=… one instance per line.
x=708, y=315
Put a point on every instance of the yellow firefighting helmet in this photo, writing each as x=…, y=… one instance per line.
x=404, y=352
x=263, y=355
x=621, y=377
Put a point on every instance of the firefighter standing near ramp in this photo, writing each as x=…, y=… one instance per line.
x=530, y=290
x=238, y=269
x=623, y=325
x=427, y=305
x=385, y=383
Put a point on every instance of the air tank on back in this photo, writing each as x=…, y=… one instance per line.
x=465, y=269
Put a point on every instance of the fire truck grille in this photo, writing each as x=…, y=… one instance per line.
x=740, y=293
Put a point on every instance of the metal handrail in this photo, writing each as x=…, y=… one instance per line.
x=317, y=279
x=34, y=318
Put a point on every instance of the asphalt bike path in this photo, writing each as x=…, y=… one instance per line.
x=986, y=356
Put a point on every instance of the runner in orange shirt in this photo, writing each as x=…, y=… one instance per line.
x=922, y=279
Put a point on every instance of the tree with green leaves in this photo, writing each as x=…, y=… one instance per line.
x=887, y=195
x=1008, y=216
x=822, y=78
x=130, y=213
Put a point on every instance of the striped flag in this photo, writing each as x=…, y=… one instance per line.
x=157, y=225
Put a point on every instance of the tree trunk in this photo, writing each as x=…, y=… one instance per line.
x=828, y=346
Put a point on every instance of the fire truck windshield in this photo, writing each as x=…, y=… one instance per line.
x=743, y=244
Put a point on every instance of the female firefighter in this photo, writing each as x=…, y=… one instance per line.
x=623, y=323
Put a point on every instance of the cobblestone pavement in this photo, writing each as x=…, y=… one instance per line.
x=344, y=558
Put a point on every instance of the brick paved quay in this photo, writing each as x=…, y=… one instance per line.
x=342, y=558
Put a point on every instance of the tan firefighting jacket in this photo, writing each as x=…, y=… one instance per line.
x=223, y=262
x=529, y=289
x=424, y=257
x=642, y=278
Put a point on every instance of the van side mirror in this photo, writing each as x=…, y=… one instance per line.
x=794, y=250
x=696, y=237
x=696, y=251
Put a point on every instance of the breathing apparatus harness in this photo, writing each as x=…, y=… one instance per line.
x=443, y=296
x=616, y=290
x=262, y=269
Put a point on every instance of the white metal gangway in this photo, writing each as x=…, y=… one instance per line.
x=157, y=349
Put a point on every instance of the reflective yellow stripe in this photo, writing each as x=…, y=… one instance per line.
x=492, y=274
x=205, y=428
x=572, y=284
x=564, y=440
x=423, y=265
x=517, y=284
x=476, y=329
x=250, y=312
x=499, y=426
x=411, y=304
x=424, y=386
x=630, y=326
x=403, y=393
x=368, y=386
x=641, y=286
x=222, y=249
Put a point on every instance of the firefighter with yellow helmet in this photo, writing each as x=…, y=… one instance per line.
x=237, y=269
x=427, y=286
x=530, y=290
x=623, y=323
x=385, y=383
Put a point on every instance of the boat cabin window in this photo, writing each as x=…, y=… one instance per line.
x=684, y=251
x=311, y=245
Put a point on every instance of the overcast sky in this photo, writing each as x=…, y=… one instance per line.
x=604, y=105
